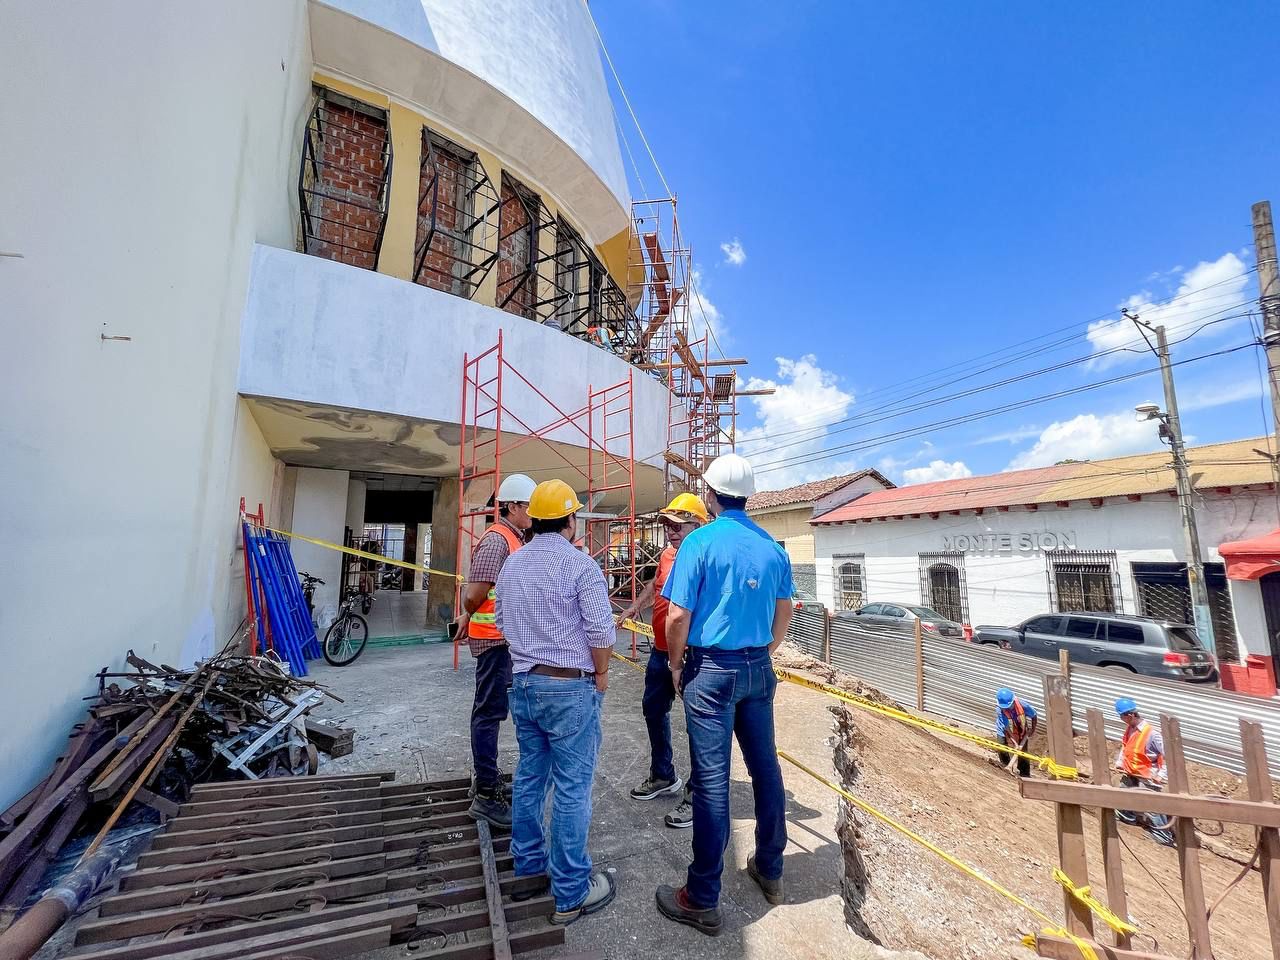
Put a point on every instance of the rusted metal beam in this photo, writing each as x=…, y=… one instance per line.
x=285, y=785
x=253, y=816
x=493, y=895
x=403, y=816
x=548, y=936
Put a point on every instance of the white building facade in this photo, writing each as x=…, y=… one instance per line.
x=1104, y=536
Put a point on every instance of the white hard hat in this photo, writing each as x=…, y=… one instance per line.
x=731, y=475
x=516, y=488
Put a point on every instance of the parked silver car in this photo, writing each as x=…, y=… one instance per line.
x=1153, y=648
x=902, y=614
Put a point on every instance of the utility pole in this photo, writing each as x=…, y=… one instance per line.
x=1171, y=429
x=1264, y=249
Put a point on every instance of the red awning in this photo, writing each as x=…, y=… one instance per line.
x=1252, y=559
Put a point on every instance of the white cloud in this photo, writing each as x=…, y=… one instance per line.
x=1219, y=395
x=734, y=253
x=1016, y=435
x=1089, y=437
x=705, y=315
x=937, y=470
x=1206, y=291
x=805, y=401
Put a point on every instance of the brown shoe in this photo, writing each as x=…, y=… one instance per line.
x=772, y=889
x=674, y=905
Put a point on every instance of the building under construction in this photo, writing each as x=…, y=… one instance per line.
x=368, y=259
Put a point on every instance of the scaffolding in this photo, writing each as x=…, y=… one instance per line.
x=592, y=447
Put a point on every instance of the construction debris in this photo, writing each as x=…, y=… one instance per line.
x=325, y=866
x=330, y=738
x=150, y=733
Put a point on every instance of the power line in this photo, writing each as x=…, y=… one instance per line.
x=872, y=442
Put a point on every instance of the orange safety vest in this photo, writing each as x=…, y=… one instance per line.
x=1134, y=752
x=1017, y=718
x=484, y=622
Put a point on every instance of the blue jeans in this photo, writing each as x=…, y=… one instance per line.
x=728, y=693
x=558, y=732
x=659, y=694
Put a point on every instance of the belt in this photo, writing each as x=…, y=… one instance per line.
x=564, y=673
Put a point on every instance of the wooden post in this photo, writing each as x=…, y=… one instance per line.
x=826, y=635
x=919, y=667
x=1259, y=779
x=1112, y=857
x=1188, y=844
x=1072, y=852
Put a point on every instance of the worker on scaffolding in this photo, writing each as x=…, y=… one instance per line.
x=684, y=514
x=730, y=604
x=1016, y=724
x=554, y=610
x=490, y=801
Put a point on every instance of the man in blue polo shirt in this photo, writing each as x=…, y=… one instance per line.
x=730, y=605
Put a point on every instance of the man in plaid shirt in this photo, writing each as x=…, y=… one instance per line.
x=489, y=647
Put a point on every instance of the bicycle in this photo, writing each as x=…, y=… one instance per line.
x=1159, y=825
x=347, y=635
x=309, y=584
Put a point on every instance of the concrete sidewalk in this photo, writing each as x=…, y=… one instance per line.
x=411, y=711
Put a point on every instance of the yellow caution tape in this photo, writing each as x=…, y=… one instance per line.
x=1050, y=766
x=627, y=660
x=1086, y=950
x=1085, y=896
x=635, y=626
x=363, y=553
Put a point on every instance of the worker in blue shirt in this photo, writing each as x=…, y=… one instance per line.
x=730, y=604
x=1015, y=725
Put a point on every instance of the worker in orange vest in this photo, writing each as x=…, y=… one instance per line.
x=1141, y=757
x=1015, y=725
x=490, y=801
x=684, y=514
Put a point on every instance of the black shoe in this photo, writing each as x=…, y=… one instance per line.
x=536, y=890
x=655, y=787
x=506, y=789
x=681, y=815
x=674, y=905
x=772, y=889
x=491, y=806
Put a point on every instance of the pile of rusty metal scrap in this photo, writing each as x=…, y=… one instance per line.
x=322, y=867
x=150, y=733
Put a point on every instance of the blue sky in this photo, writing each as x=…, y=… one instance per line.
x=906, y=191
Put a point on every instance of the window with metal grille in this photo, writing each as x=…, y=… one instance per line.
x=851, y=586
x=519, y=213
x=1164, y=593
x=457, y=239
x=943, y=586
x=1083, y=581
x=573, y=272
x=344, y=180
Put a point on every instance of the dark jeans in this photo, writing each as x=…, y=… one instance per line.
x=493, y=677
x=1024, y=765
x=659, y=694
x=728, y=693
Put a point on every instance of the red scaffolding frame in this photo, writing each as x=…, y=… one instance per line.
x=604, y=469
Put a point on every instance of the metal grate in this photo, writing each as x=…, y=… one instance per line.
x=1083, y=581
x=850, y=579
x=1164, y=593
x=457, y=239
x=943, y=586
x=344, y=179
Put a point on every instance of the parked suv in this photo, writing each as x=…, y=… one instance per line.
x=1154, y=648
x=904, y=615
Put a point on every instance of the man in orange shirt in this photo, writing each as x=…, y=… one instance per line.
x=684, y=514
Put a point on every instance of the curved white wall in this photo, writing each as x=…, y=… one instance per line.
x=540, y=55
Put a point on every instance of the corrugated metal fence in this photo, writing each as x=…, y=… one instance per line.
x=961, y=679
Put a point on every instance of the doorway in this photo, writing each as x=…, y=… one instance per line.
x=1270, y=585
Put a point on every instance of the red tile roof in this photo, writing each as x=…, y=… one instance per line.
x=1213, y=465
x=809, y=492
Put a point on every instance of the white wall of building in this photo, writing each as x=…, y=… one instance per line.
x=1006, y=583
x=520, y=77
x=320, y=509
x=305, y=317
x=146, y=146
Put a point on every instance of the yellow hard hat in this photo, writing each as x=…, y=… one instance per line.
x=553, y=499
x=688, y=504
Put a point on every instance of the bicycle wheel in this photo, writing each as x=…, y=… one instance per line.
x=345, y=639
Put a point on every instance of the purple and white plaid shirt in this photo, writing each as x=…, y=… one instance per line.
x=553, y=606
